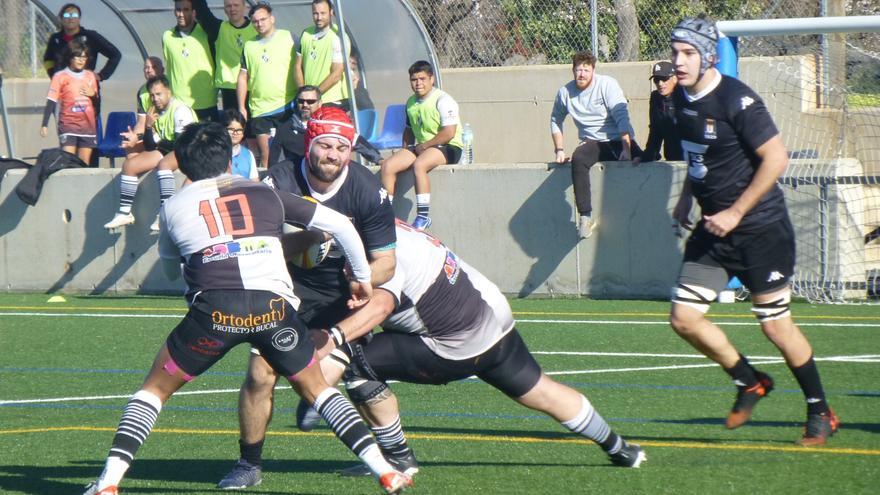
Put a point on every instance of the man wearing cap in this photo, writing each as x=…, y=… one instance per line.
x=735, y=155
x=328, y=176
x=599, y=110
x=661, y=127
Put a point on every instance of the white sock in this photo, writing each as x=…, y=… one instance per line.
x=373, y=458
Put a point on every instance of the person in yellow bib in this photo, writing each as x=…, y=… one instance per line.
x=153, y=68
x=432, y=137
x=319, y=58
x=226, y=39
x=189, y=63
x=265, y=80
x=165, y=120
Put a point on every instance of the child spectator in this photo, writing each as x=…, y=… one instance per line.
x=243, y=162
x=74, y=92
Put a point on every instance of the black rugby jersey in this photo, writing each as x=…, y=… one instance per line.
x=359, y=196
x=719, y=135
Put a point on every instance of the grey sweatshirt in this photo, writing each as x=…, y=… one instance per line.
x=599, y=111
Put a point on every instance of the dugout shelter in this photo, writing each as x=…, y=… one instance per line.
x=387, y=35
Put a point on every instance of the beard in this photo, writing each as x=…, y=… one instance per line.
x=325, y=170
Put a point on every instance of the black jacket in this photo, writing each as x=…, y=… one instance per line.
x=53, y=59
x=290, y=142
x=48, y=162
x=662, y=130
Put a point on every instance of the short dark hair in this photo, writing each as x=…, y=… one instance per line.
x=73, y=49
x=328, y=2
x=203, y=150
x=260, y=6
x=421, y=66
x=163, y=80
x=308, y=87
x=70, y=6
x=581, y=58
x=232, y=115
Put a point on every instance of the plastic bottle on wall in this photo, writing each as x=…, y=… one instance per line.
x=467, y=142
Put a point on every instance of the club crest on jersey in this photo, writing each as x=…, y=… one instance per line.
x=709, y=133
x=265, y=58
x=451, y=267
x=383, y=195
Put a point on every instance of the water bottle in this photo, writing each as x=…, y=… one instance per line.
x=467, y=141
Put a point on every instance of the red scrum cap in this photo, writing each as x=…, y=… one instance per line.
x=329, y=121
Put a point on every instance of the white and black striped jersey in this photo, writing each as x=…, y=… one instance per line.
x=457, y=311
x=226, y=232
x=720, y=130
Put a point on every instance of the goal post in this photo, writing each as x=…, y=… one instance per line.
x=818, y=79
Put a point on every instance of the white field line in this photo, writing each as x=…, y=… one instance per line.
x=523, y=320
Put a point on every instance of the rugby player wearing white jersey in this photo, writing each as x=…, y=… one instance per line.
x=444, y=321
x=223, y=232
x=735, y=155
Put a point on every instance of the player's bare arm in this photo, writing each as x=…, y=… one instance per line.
x=357, y=324
x=382, y=263
x=333, y=77
x=774, y=160
x=681, y=213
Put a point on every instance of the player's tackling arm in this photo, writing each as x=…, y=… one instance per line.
x=358, y=323
x=382, y=263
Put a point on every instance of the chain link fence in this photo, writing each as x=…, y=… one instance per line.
x=481, y=33
x=24, y=32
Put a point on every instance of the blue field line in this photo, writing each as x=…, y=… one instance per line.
x=684, y=388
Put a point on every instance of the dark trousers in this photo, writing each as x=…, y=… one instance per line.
x=582, y=160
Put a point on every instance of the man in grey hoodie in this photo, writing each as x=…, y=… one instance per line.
x=599, y=110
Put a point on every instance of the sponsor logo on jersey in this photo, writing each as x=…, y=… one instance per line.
x=249, y=323
x=746, y=101
x=285, y=340
x=774, y=276
x=709, y=132
x=383, y=195
x=233, y=249
x=207, y=346
x=451, y=267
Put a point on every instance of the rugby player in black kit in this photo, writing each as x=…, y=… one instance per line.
x=735, y=156
x=327, y=175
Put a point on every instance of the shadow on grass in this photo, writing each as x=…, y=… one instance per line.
x=41, y=480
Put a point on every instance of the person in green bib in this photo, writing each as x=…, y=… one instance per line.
x=165, y=119
x=319, y=59
x=153, y=68
x=432, y=137
x=189, y=63
x=265, y=80
x=226, y=39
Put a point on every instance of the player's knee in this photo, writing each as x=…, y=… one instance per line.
x=363, y=391
x=690, y=304
x=776, y=309
x=259, y=379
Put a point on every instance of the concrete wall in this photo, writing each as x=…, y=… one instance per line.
x=515, y=222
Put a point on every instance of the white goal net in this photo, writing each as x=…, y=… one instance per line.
x=824, y=94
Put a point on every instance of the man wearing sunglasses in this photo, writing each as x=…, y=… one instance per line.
x=661, y=128
x=70, y=16
x=289, y=142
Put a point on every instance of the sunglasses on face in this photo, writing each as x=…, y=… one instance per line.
x=306, y=101
x=660, y=79
x=233, y=130
x=70, y=15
